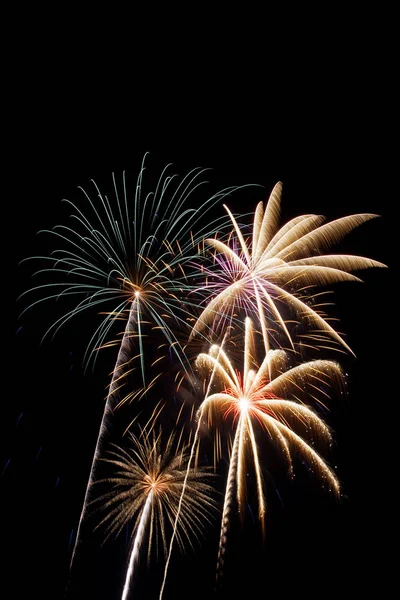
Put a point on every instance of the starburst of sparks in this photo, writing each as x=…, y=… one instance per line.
x=268, y=398
x=130, y=254
x=145, y=489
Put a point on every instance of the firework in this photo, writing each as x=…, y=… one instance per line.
x=271, y=398
x=135, y=261
x=131, y=257
x=145, y=489
x=276, y=268
x=129, y=254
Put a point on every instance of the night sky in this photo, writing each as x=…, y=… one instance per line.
x=325, y=146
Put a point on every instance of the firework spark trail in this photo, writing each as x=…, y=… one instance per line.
x=124, y=355
x=230, y=487
x=144, y=518
x=195, y=439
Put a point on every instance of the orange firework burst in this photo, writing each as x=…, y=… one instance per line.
x=272, y=396
x=145, y=490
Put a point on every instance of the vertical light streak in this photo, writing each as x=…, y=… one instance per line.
x=136, y=546
x=123, y=357
x=261, y=500
x=137, y=296
x=240, y=469
x=263, y=320
x=187, y=474
x=230, y=486
x=179, y=507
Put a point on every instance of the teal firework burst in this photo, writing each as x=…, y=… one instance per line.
x=130, y=254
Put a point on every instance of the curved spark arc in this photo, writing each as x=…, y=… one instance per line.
x=261, y=396
x=277, y=265
x=145, y=489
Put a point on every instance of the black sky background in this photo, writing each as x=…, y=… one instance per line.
x=324, y=133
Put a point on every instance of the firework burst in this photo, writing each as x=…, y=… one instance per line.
x=271, y=398
x=145, y=489
x=129, y=254
x=278, y=267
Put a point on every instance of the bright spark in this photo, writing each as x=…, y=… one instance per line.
x=244, y=405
